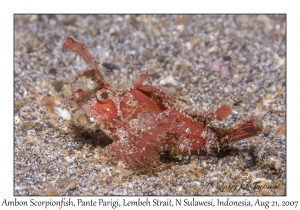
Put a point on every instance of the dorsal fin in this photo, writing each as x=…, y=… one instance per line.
x=147, y=89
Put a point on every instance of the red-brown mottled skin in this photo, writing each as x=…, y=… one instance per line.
x=144, y=121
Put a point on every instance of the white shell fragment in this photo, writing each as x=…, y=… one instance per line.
x=64, y=113
x=168, y=80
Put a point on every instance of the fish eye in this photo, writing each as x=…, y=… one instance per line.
x=104, y=95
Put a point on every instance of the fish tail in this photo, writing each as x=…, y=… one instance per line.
x=246, y=129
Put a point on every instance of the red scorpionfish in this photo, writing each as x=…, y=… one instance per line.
x=144, y=121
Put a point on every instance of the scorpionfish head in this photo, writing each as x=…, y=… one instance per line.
x=103, y=109
x=94, y=97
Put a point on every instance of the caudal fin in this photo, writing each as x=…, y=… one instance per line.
x=248, y=128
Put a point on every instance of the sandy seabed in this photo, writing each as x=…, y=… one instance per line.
x=212, y=60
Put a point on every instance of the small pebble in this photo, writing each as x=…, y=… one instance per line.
x=28, y=125
x=282, y=130
x=265, y=192
x=267, y=130
x=29, y=144
x=108, y=180
x=260, y=180
x=180, y=28
x=179, y=189
x=236, y=173
x=266, y=102
x=215, y=66
x=269, y=176
x=248, y=160
x=214, y=160
x=127, y=185
x=189, y=45
x=199, y=172
x=53, y=71
x=193, y=191
x=64, y=113
x=161, y=58
x=236, y=77
x=224, y=72
x=50, y=103
x=277, y=164
x=58, y=85
x=51, y=191
x=269, y=96
x=68, y=184
x=162, y=192
x=250, y=89
x=110, y=66
x=226, y=58
x=168, y=80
